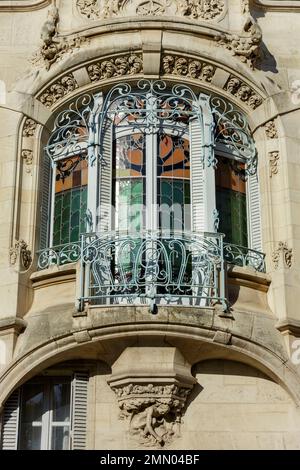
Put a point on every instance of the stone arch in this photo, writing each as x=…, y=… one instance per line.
x=196, y=345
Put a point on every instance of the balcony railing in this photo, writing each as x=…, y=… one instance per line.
x=152, y=267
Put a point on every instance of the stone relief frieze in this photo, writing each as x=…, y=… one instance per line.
x=187, y=67
x=205, y=10
x=116, y=67
x=153, y=411
x=58, y=90
x=243, y=92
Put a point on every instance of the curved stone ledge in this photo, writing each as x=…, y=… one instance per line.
x=23, y=5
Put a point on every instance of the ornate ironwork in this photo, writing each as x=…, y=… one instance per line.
x=149, y=104
x=148, y=267
x=243, y=256
x=71, y=132
x=232, y=130
x=145, y=106
x=59, y=255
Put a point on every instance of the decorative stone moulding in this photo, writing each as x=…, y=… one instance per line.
x=131, y=64
x=27, y=156
x=29, y=128
x=21, y=254
x=273, y=161
x=204, y=10
x=151, y=387
x=187, y=67
x=282, y=256
x=270, y=130
x=58, y=90
x=243, y=92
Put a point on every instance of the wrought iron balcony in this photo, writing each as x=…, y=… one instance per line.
x=152, y=267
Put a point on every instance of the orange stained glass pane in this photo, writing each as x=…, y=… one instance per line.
x=174, y=153
x=71, y=173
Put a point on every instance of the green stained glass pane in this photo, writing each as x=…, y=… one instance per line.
x=233, y=216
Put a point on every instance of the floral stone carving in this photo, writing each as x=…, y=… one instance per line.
x=29, y=128
x=203, y=9
x=246, y=46
x=195, y=9
x=115, y=67
x=243, y=92
x=21, y=252
x=273, y=161
x=270, y=130
x=58, y=90
x=176, y=65
x=153, y=411
x=283, y=256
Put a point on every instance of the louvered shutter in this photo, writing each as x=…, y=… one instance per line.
x=79, y=410
x=10, y=422
x=197, y=177
x=105, y=181
x=254, y=213
x=45, y=201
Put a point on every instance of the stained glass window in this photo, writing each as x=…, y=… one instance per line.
x=173, y=172
x=231, y=200
x=70, y=203
x=129, y=182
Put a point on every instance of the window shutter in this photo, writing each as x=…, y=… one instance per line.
x=10, y=422
x=79, y=410
x=197, y=177
x=254, y=213
x=45, y=198
x=105, y=180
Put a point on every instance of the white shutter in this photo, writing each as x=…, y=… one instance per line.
x=203, y=190
x=197, y=177
x=254, y=213
x=45, y=201
x=105, y=181
x=10, y=422
x=79, y=410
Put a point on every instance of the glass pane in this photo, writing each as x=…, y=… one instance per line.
x=130, y=156
x=70, y=200
x=60, y=439
x=61, y=402
x=31, y=417
x=231, y=201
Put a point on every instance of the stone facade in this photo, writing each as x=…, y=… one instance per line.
x=188, y=377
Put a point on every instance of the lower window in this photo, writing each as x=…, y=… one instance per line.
x=45, y=417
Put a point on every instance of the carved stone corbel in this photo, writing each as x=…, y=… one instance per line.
x=53, y=47
x=152, y=398
x=246, y=45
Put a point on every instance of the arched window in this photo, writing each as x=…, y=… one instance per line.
x=144, y=160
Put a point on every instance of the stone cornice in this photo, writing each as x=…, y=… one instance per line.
x=289, y=325
x=278, y=5
x=12, y=323
x=27, y=5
